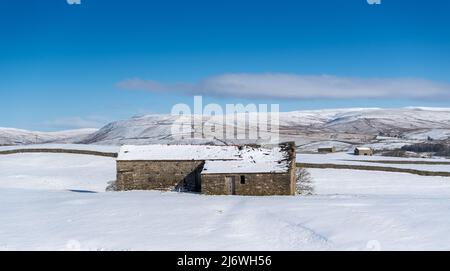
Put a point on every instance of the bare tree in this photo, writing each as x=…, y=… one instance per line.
x=111, y=186
x=305, y=185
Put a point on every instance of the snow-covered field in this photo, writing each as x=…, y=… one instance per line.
x=56, y=172
x=364, y=183
x=353, y=210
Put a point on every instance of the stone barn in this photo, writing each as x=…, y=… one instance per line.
x=326, y=150
x=212, y=170
x=363, y=151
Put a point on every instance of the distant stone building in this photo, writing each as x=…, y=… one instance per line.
x=212, y=170
x=327, y=149
x=363, y=151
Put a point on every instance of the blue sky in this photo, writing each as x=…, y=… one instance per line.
x=70, y=66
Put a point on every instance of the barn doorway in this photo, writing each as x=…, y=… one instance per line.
x=230, y=185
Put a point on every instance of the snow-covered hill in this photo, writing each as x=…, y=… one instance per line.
x=370, y=121
x=11, y=136
x=344, y=126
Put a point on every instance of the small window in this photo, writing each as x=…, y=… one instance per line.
x=242, y=179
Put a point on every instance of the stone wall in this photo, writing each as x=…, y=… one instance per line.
x=69, y=151
x=159, y=175
x=259, y=184
x=326, y=150
x=256, y=184
x=186, y=176
x=363, y=152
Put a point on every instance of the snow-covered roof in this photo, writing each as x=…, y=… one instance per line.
x=177, y=152
x=218, y=159
x=252, y=160
x=363, y=149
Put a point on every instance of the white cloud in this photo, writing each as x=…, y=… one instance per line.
x=74, y=2
x=292, y=86
x=374, y=2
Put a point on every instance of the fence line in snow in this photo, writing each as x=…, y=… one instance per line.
x=376, y=168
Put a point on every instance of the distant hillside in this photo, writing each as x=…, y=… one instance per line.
x=341, y=127
x=11, y=136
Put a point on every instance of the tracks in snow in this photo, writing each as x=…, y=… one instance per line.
x=249, y=228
